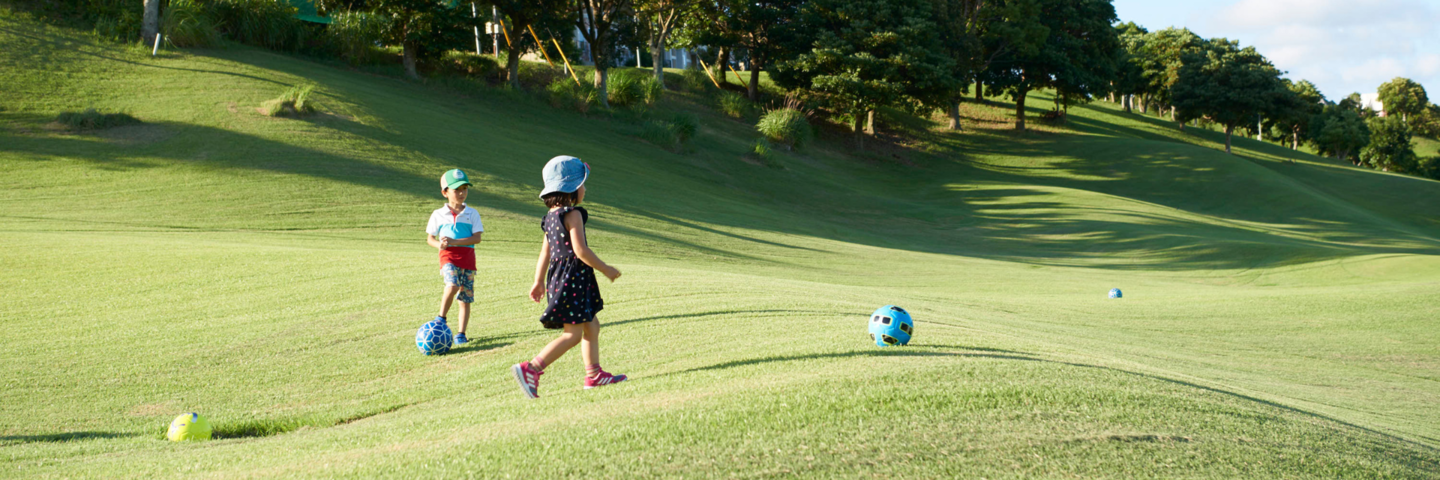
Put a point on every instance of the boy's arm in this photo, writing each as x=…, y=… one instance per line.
x=470, y=240
x=439, y=243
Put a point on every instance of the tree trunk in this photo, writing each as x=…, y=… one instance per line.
x=1295, y=137
x=602, y=75
x=150, y=23
x=1020, y=108
x=979, y=92
x=512, y=63
x=870, y=122
x=721, y=61
x=955, y=112
x=1229, y=127
x=1144, y=104
x=859, y=129
x=1127, y=101
x=657, y=59
x=408, y=57
x=754, y=85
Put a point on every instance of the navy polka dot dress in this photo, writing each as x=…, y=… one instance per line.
x=571, y=288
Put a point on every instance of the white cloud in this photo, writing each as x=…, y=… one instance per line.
x=1343, y=46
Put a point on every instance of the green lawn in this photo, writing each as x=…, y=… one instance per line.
x=1279, y=316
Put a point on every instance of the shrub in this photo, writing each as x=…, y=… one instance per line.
x=695, y=81
x=294, y=102
x=651, y=90
x=762, y=148
x=564, y=93
x=662, y=134
x=90, y=119
x=186, y=24
x=733, y=104
x=624, y=90
x=469, y=64
x=686, y=125
x=123, y=26
x=263, y=23
x=355, y=34
x=786, y=126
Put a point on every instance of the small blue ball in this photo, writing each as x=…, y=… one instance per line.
x=890, y=326
x=1115, y=293
x=434, y=338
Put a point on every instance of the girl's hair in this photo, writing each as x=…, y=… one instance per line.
x=561, y=199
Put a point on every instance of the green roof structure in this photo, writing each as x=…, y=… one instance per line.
x=305, y=10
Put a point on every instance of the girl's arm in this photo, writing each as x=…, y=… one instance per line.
x=537, y=290
x=576, y=225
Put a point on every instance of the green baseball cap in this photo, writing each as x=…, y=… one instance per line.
x=454, y=178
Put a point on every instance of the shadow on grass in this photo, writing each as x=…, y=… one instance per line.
x=980, y=352
x=62, y=437
x=721, y=312
x=271, y=427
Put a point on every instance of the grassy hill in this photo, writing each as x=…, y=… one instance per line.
x=1278, y=319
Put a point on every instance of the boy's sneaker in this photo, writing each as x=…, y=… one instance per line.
x=603, y=379
x=460, y=338
x=529, y=379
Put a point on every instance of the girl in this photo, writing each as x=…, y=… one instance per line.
x=574, y=296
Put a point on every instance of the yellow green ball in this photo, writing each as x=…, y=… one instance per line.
x=189, y=426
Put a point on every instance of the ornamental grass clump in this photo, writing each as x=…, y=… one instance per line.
x=785, y=126
x=733, y=104
x=295, y=102
x=91, y=119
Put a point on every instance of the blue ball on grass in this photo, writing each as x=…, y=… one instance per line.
x=434, y=338
x=890, y=326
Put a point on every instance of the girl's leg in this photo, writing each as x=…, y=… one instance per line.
x=590, y=344
x=568, y=339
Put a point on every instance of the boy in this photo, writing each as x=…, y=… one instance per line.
x=454, y=229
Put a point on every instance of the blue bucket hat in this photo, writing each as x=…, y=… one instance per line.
x=564, y=174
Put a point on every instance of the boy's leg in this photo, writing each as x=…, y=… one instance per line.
x=447, y=298
x=465, y=283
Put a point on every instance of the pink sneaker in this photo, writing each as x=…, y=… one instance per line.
x=529, y=379
x=603, y=379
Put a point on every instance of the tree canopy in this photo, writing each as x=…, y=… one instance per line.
x=1228, y=85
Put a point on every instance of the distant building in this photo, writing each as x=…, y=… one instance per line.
x=1372, y=101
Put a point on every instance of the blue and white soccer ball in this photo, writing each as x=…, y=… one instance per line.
x=890, y=326
x=434, y=338
x=1115, y=293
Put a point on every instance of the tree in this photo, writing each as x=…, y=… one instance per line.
x=1338, y=131
x=150, y=22
x=660, y=18
x=1005, y=29
x=862, y=54
x=597, y=24
x=1294, y=114
x=524, y=16
x=1129, y=59
x=1161, y=58
x=762, y=28
x=959, y=28
x=1075, y=58
x=422, y=28
x=1228, y=85
x=1390, y=148
x=1403, y=96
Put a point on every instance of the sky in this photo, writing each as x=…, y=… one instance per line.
x=1342, y=46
